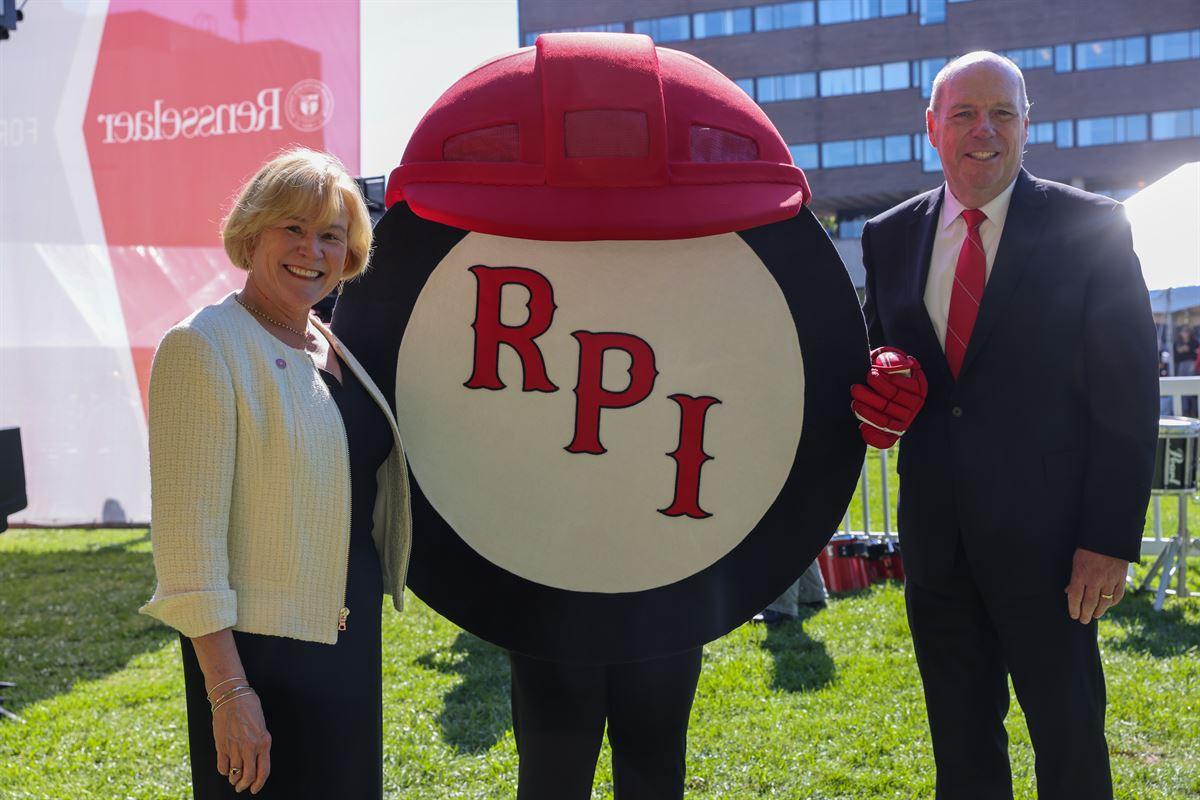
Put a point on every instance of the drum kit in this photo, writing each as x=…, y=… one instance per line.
x=1177, y=462
x=849, y=563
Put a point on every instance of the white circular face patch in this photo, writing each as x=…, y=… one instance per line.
x=593, y=469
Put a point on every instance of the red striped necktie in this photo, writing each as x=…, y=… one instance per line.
x=969, y=276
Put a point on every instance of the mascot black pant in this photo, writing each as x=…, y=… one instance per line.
x=967, y=644
x=559, y=712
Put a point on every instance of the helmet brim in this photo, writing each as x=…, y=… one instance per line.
x=552, y=213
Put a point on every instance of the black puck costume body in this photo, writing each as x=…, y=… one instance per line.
x=619, y=349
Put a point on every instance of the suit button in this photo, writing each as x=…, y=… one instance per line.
x=956, y=411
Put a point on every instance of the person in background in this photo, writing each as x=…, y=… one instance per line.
x=1186, y=347
x=1025, y=479
x=279, y=503
x=808, y=591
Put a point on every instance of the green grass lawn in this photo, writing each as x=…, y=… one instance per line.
x=829, y=707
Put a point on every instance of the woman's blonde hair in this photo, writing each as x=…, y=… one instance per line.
x=298, y=184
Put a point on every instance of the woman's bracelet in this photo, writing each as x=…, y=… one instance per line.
x=233, y=694
x=238, y=687
x=222, y=683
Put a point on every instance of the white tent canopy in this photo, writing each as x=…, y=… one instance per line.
x=1166, y=234
x=1165, y=217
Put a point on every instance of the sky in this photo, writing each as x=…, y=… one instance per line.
x=412, y=51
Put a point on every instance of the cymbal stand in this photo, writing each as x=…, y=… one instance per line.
x=1171, y=562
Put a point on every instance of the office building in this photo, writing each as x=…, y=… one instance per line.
x=1115, y=85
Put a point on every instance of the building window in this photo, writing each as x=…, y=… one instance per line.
x=865, y=79
x=1110, y=53
x=1064, y=134
x=870, y=151
x=853, y=80
x=1032, y=57
x=897, y=148
x=896, y=76
x=1178, y=46
x=852, y=152
x=928, y=70
x=894, y=149
x=894, y=8
x=784, y=15
x=930, y=162
x=720, y=23
x=664, y=29
x=1137, y=128
x=837, y=154
x=797, y=86
x=1041, y=132
x=805, y=156
x=832, y=12
x=1062, y=58
x=1097, y=131
x=1175, y=124
x=746, y=85
x=932, y=12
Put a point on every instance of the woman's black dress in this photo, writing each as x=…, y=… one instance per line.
x=322, y=703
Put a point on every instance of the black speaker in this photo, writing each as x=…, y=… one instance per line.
x=12, y=475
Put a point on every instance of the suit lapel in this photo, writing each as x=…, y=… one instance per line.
x=1022, y=230
x=919, y=245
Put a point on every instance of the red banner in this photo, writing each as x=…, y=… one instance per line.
x=185, y=104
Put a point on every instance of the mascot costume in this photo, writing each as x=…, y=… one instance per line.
x=620, y=351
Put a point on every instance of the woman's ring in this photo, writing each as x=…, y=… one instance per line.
x=235, y=771
x=1106, y=597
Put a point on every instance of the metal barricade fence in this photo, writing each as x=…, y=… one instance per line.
x=865, y=497
x=1179, y=397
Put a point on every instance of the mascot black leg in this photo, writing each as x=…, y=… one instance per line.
x=649, y=704
x=558, y=714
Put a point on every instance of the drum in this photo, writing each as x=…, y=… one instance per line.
x=883, y=562
x=1175, y=462
x=843, y=564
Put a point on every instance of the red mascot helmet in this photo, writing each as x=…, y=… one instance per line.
x=593, y=137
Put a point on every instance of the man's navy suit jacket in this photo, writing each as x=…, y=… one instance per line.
x=1046, y=441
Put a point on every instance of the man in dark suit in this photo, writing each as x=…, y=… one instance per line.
x=1027, y=474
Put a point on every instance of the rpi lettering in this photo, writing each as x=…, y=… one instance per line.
x=591, y=398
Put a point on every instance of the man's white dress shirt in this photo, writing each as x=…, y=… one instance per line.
x=948, y=240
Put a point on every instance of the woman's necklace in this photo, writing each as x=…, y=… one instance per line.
x=302, y=334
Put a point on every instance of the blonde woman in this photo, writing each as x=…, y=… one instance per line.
x=279, y=503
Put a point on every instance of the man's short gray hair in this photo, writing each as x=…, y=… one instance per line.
x=956, y=65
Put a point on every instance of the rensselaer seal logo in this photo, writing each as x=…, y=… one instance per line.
x=309, y=105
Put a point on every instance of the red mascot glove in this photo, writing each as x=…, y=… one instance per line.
x=895, y=391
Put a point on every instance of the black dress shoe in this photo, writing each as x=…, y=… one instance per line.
x=771, y=617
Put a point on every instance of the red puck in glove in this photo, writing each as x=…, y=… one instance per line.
x=893, y=394
x=890, y=361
